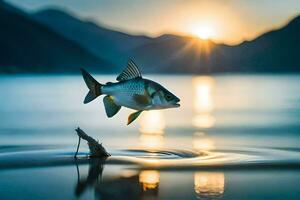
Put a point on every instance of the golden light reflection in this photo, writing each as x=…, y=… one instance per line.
x=204, y=121
x=152, y=125
x=203, y=87
x=203, y=102
x=149, y=179
x=209, y=184
x=202, y=143
x=152, y=122
x=128, y=173
x=151, y=141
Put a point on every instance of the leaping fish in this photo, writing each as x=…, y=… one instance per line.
x=131, y=91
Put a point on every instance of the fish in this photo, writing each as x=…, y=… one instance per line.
x=131, y=91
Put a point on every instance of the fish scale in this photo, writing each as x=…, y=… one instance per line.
x=123, y=92
x=126, y=87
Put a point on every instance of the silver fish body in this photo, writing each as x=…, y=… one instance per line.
x=137, y=94
x=132, y=91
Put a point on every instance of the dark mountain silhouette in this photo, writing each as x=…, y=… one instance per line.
x=57, y=38
x=27, y=46
x=277, y=50
x=177, y=54
x=109, y=44
x=274, y=51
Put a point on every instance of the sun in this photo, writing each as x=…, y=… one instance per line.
x=204, y=31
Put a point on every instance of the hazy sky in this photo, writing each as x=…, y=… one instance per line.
x=229, y=21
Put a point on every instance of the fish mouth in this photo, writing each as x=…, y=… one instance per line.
x=177, y=104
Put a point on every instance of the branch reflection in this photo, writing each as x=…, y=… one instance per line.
x=141, y=185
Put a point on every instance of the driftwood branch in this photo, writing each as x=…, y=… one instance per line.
x=96, y=148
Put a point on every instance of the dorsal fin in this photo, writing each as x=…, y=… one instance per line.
x=131, y=71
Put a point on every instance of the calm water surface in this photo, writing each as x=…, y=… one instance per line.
x=234, y=137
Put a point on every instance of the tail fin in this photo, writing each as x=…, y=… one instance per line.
x=93, y=85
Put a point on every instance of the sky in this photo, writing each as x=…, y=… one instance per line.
x=224, y=21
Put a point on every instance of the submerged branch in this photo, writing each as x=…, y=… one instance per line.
x=96, y=148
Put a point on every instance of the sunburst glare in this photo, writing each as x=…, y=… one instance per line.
x=204, y=31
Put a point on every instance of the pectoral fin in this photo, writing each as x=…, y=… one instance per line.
x=110, y=107
x=133, y=116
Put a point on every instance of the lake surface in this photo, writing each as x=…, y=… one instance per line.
x=234, y=137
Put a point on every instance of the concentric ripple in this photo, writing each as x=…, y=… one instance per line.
x=34, y=156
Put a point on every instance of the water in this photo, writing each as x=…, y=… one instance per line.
x=234, y=137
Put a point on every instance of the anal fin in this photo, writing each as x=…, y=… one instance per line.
x=133, y=116
x=110, y=107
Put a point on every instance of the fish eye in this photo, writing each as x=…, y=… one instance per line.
x=168, y=97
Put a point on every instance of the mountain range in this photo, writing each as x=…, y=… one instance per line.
x=27, y=46
x=57, y=41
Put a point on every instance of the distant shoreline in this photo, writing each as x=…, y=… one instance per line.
x=158, y=74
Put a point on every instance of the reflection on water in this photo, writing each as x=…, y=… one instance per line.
x=129, y=185
x=151, y=141
x=203, y=106
x=152, y=122
x=152, y=125
x=209, y=185
x=94, y=175
x=270, y=116
x=204, y=121
x=202, y=143
x=203, y=102
x=149, y=179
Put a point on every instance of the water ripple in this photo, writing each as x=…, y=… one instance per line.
x=36, y=156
